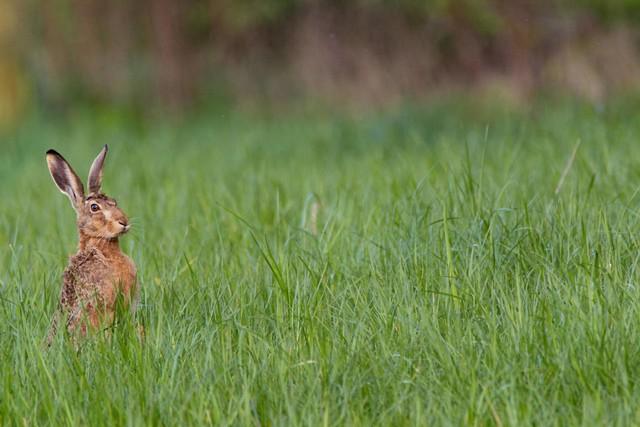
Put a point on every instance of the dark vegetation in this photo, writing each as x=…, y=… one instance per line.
x=181, y=54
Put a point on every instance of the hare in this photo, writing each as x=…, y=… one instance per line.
x=99, y=271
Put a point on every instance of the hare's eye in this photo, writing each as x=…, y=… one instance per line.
x=95, y=207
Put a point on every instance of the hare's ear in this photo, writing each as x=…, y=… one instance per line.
x=95, y=173
x=65, y=178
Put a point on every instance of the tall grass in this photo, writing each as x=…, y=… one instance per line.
x=440, y=281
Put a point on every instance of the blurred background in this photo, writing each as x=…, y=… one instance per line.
x=180, y=56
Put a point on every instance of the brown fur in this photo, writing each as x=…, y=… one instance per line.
x=99, y=271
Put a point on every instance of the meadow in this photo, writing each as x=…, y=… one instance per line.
x=428, y=266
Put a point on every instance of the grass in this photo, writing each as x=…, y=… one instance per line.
x=413, y=268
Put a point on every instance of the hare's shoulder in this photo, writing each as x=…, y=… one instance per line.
x=89, y=262
x=84, y=274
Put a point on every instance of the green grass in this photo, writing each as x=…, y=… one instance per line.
x=447, y=283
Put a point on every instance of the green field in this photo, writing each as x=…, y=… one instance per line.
x=421, y=267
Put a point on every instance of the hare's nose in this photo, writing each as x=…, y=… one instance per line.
x=123, y=223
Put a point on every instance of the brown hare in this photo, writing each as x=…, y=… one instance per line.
x=99, y=271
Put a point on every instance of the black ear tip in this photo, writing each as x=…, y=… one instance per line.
x=52, y=151
x=106, y=147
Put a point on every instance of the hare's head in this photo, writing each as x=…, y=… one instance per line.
x=98, y=215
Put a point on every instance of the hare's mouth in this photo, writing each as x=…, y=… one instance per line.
x=125, y=227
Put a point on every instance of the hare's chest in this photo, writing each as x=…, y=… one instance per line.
x=120, y=280
x=125, y=276
x=95, y=275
